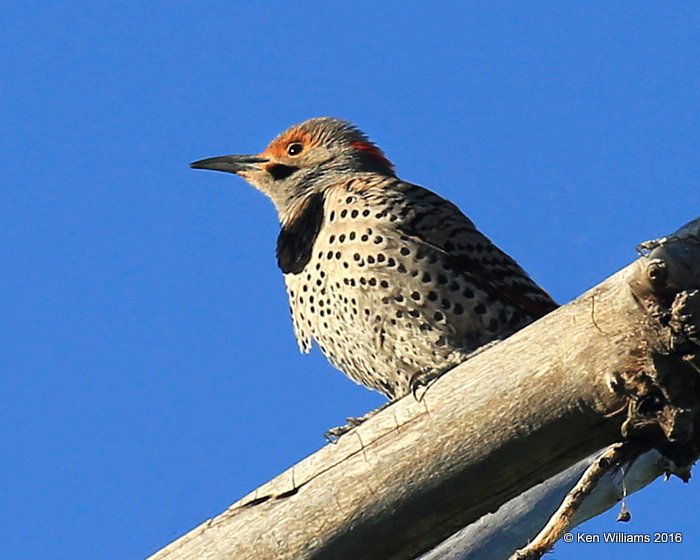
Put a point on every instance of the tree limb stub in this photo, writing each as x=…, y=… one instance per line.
x=503, y=421
x=609, y=460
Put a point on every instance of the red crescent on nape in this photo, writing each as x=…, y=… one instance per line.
x=373, y=152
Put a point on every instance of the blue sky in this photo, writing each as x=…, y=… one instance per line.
x=149, y=372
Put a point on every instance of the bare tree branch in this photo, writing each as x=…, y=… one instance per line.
x=616, y=360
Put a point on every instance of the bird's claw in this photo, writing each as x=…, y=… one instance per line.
x=334, y=434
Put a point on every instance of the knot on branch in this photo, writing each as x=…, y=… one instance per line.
x=663, y=385
x=657, y=273
x=669, y=265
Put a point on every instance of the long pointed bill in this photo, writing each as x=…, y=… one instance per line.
x=230, y=164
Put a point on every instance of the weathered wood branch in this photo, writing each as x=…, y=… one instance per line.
x=510, y=417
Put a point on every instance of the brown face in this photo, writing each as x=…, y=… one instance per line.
x=295, y=149
x=283, y=171
x=290, y=145
x=271, y=171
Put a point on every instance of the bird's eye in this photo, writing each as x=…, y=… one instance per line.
x=295, y=148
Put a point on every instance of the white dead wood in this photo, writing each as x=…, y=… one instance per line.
x=504, y=421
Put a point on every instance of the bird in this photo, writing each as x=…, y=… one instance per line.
x=391, y=281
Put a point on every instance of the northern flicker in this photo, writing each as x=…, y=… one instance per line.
x=394, y=283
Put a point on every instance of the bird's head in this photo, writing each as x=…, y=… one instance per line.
x=304, y=160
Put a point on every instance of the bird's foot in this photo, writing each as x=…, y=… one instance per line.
x=423, y=380
x=334, y=434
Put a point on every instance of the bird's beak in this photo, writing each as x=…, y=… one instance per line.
x=230, y=164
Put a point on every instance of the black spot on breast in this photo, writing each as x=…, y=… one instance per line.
x=296, y=240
